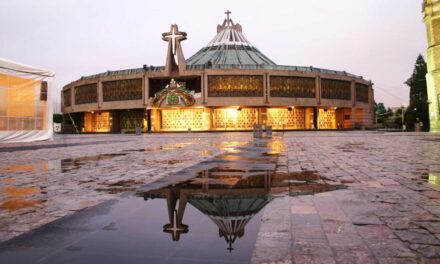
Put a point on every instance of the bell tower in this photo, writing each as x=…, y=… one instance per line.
x=431, y=11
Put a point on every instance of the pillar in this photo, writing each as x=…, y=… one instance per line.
x=205, y=88
x=72, y=97
x=146, y=90
x=318, y=89
x=353, y=103
x=266, y=88
x=100, y=95
x=431, y=10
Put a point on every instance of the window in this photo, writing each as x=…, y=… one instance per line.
x=235, y=86
x=284, y=86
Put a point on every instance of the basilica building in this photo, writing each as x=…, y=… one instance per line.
x=227, y=85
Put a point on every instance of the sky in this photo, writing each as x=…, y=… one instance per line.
x=377, y=39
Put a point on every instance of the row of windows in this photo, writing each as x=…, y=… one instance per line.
x=122, y=90
x=227, y=86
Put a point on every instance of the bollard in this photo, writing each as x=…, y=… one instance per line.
x=269, y=131
x=138, y=131
x=258, y=131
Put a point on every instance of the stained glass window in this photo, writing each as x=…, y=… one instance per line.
x=284, y=86
x=122, y=90
x=335, y=89
x=86, y=94
x=282, y=118
x=129, y=120
x=184, y=119
x=234, y=119
x=235, y=86
x=361, y=93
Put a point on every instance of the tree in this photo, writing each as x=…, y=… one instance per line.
x=418, y=109
x=381, y=112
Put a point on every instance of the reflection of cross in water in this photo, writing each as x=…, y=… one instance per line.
x=175, y=227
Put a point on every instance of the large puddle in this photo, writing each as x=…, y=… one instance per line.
x=207, y=213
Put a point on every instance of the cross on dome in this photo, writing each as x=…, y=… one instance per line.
x=173, y=36
x=227, y=16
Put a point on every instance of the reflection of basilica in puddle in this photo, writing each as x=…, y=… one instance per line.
x=230, y=200
x=231, y=197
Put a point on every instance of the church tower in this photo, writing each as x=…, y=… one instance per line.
x=431, y=10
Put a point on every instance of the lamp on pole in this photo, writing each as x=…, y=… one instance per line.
x=403, y=118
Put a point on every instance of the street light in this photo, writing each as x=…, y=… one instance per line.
x=403, y=118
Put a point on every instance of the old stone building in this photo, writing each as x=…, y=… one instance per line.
x=227, y=85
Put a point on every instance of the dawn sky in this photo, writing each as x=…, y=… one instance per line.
x=377, y=39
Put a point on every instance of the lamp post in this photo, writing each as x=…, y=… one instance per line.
x=403, y=118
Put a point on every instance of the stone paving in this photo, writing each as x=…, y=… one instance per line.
x=38, y=186
x=387, y=212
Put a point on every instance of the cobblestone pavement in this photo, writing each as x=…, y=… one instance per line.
x=41, y=182
x=384, y=207
x=389, y=211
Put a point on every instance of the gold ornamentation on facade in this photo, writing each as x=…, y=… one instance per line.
x=184, y=119
x=284, y=118
x=129, y=120
x=234, y=119
x=285, y=86
x=130, y=89
x=335, y=89
x=235, y=85
x=86, y=94
x=327, y=119
x=173, y=89
x=97, y=122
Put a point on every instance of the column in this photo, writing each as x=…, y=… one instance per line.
x=353, y=103
x=202, y=87
x=72, y=97
x=205, y=87
x=431, y=11
x=266, y=88
x=318, y=89
x=100, y=95
x=146, y=90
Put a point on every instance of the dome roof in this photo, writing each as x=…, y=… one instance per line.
x=229, y=47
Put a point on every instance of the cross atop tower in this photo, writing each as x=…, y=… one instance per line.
x=227, y=15
x=173, y=36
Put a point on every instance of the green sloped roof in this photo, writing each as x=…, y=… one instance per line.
x=229, y=47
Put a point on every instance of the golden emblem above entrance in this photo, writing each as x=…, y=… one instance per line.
x=175, y=94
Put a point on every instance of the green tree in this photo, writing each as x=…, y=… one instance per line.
x=381, y=112
x=418, y=110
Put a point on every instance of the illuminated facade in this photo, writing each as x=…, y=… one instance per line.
x=227, y=85
x=431, y=9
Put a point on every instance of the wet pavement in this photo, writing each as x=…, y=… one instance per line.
x=41, y=184
x=325, y=197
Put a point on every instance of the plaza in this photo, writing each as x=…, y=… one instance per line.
x=130, y=152
x=332, y=197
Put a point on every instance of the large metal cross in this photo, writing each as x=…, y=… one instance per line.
x=173, y=36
